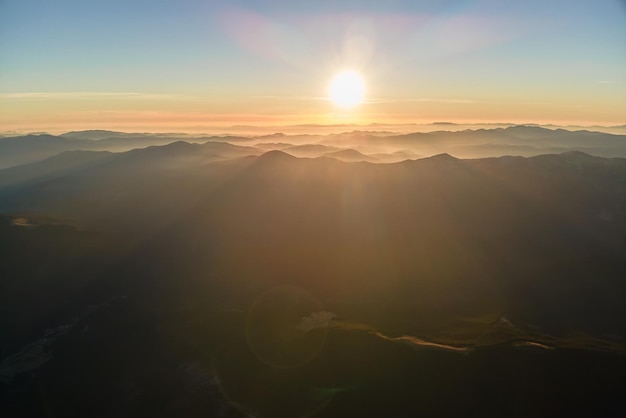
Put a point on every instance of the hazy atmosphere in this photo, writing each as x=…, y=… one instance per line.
x=201, y=65
x=274, y=209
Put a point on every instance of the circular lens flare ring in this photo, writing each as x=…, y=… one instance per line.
x=347, y=89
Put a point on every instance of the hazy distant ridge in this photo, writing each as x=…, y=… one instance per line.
x=375, y=146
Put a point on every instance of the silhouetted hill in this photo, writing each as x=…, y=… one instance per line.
x=273, y=145
x=434, y=286
x=275, y=157
x=350, y=155
x=444, y=159
x=310, y=150
x=66, y=162
x=397, y=156
x=449, y=213
x=174, y=155
x=522, y=140
x=271, y=161
x=178, y=150
x=94, y=134
x=515, y=140
x=29, y=148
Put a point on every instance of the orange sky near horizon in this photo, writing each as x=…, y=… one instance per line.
x=185, y=65
x=158, y=113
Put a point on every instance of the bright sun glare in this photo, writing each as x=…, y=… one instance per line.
x=347, y=89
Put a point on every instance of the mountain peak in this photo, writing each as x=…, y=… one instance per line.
x=350, y=155
x=576, y=154
x=276, y=155
x=442, y=157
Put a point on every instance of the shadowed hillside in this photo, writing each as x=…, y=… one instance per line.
x=173, y=278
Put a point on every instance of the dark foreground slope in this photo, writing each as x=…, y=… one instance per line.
x=282, y=287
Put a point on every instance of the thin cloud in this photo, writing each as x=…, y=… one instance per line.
x=151, y=96
x=424, y=100
x=90, y=95
x=294, y=98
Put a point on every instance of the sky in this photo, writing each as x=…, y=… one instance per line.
x=196, y=65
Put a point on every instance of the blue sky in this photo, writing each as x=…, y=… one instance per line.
x=439, y=60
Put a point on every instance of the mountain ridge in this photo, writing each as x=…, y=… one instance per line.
x=522, y=140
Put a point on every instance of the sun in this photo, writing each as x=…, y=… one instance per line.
x=347, y=89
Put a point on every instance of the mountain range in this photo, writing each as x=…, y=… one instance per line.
x=293, y=275
x=380, y=146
